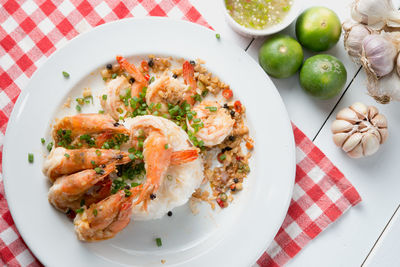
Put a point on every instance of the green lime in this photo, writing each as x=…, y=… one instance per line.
x=280, y=56
x=318, y=28
x=323, y=76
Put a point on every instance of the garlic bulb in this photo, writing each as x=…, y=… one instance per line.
x=385, y=89
x=354, y=34
x=359, y=130
x=378, y=55
x=375, y=13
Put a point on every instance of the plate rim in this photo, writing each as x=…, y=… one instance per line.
x=24, y=93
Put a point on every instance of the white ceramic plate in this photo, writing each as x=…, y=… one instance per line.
x=235, y=236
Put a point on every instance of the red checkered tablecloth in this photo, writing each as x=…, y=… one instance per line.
x=30, y=31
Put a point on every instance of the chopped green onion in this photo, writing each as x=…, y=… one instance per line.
x=135, y=184
x=95, y=212
x=114, y=76
x=132, y=156
x=159, y=242
x=30, y=158
x=218, y=36
x=66, y=155
x=213, y=109
x=222, y=157
x=42, y=140
x=49, y=146
x=66, y=74
x=98, y=152
x=78, y=108
x=80, y=210
x=101, y=111
x=93, y=163
x=166, y=146
x=127, y=193
x=104, y=97
x=99, y=170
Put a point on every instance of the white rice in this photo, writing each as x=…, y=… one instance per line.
x=180, y=181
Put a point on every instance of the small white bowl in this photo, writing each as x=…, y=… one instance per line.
x=248, y=32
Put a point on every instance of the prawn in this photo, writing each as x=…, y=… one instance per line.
x=58, y=164
x=188, y=77
x=140, y=80
x=67, y=192
x=165, y=90
x=217, y=122
x=120, y=86
x=110, y=99
x=158, y=156
x=103, y=220
x=80, y=124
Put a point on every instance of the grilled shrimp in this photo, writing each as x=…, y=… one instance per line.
x=158, y=155
x=120, y=87
x=218, y=124
x=111, y=102
x=81, y=124
x=106, y=218
x=166, y=90
x=68, y=191
x=57, y=164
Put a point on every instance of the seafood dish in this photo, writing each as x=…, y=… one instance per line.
x=167, y=132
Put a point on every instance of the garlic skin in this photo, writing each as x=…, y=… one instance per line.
x=359, y=130
x=354, y=34
x=385, y=89
x=378, y=55
x=375, y=13
x=398, y=65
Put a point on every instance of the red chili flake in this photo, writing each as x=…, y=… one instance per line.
x=238, y=158
x=233, y=187
x=249, y=145
x=220, y=202
x=238, y=106
x=147, y=77
x=145, y=66
x=227, y=93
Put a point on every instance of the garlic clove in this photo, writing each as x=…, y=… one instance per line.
x=357, y=152
x=352, y=142
x=370, y=144
x=354, y=34
x=360, y=109
x=374, y=131
x=384, y=134
x=379, y=121
x=372, y=111
x=378, y=55
x=340, y=138
x=385, y=89
x=341, y=126
x=347, y=114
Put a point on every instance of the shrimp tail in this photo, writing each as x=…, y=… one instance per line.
x=188, y=77
x=131, y=69
x=184, y=156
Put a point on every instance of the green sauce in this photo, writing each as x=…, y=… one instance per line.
x=258, y=14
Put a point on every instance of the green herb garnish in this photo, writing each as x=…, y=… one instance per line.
x=30, y=158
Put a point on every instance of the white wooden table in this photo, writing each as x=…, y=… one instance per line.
x=368, y=233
